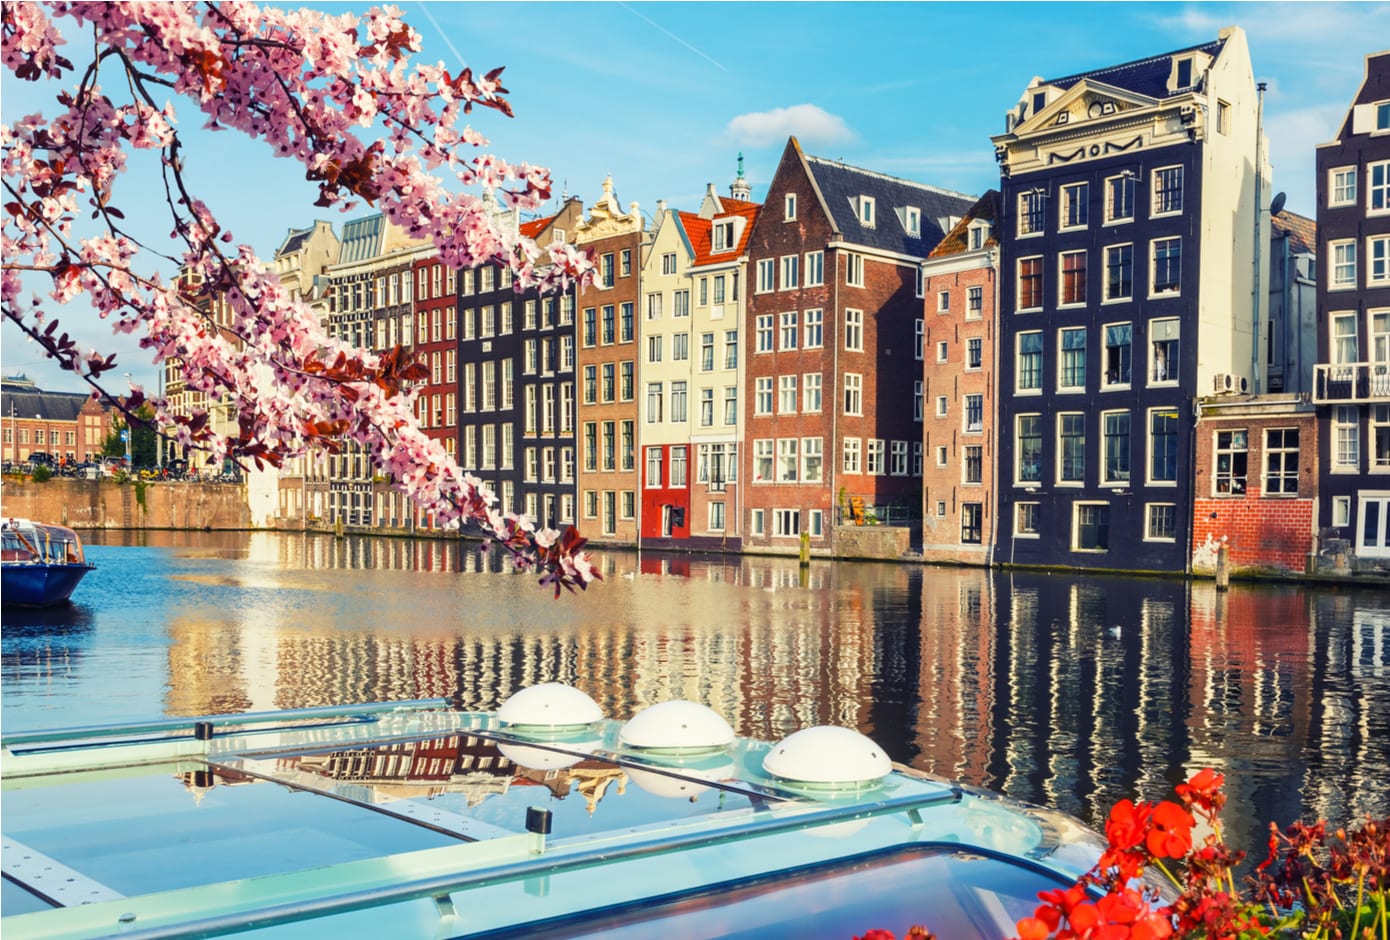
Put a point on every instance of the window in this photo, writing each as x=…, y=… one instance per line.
x=814, y=322
x=678, y=402
x=971, y=523
x=912, y=221
x=786, y=394
x=762, y=460
x=1071, y=374
x=1380, y=438
x=854, y=270
x=1231, y=456
x=941, y=462
x=653, y=306
x=1117, y=354
x=731, y=349
x=1119, y=197
x=815, y=268
x=874, y=457
x=789, y=329
x=866, y=211
x=730, y=405
x=1028, y=449
x=1223, y=118
x=1119, y=272
x=1344, y=340
x=762, y=396
x=706, y=407
x=1167, y=191
x=789, y=207
x=1281, y=462
x=1026, y=519
x=1115, y=434
x=654, y=348
x=1091, y=527
x=1075, y=205
x=680, y=347
x=917, y=458
x=680, y=303
x=1031, y=211
x=812, y=462
x=942, y=351
x=607, y=380
x=627, y=381
x=764, y=327
x=1030, y=283
x=941, y=406
x=767, y=275
x=918, y=338
x=590, y=326
x=609, y=325
x=1373, y=532
x=590, y=384
x=790, y=277
x=974, y=303
x=1165, y=275
x=668, y=262
x=656, y=395
x=1071, y=457
x=854, y=330
x=974, y=353
x=854, y=401
x=1163, y=446
x=974, y=463
x=1343, y=264
x=716, y=517
x=851, y=455
x=810, y=392
x=1163, y=352
x=1346, y=438
x=1341, y=510
x=788, y=459
x=755, y=522
x=974, y=413
x=605, y=270
x=786, y=522
x=1383, y=116
x=1378, y=187
x=1161, y=522
x=1378, y=260
x=627, y=324
x=653, y=466
x=1341, y=189
x=706, y=352
x=943, y=301
x=1073, y=277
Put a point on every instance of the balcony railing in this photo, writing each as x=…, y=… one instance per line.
x=1343, y=383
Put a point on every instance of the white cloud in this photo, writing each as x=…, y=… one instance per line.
x=807, y=122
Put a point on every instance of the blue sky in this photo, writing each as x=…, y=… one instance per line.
x=665, y=96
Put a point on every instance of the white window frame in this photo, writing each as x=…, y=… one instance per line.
x=815, y=268
x=1341, y=264
x=1125, y=182
x=1074, y=195
x=854, y=270
x=1341, y=186
x=813, y=322
x=1151, y=511
x=1176, y=289
x=791, y=273
x=1378, y=187
x=854, y=394
x=854, y=330
x=1127, y=294
x=789, y=207
x=1155, y=212
x=767, y=275
x=1378, y=260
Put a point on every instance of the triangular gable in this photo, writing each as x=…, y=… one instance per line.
x=1086, y=100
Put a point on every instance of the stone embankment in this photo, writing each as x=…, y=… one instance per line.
x=106, y=504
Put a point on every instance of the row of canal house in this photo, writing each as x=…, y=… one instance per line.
x=1106, y=362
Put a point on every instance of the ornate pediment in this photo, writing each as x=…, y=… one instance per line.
x=606, y=218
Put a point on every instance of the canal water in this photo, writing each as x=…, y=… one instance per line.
x=1069, y=691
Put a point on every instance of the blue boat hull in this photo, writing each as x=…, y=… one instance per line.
x=39, y=585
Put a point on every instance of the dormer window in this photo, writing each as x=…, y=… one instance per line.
x=1039, y=101
x=979, y=231
x=912, y=220
x=724, y=235
x=1184, y=73
x=866, y=211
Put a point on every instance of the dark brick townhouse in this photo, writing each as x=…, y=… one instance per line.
x=1352, y=379
x=1127, y=226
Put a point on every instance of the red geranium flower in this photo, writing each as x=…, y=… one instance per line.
x=1203, y=790
x=1171, y=835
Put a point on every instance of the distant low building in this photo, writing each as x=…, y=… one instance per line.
x=68, y=426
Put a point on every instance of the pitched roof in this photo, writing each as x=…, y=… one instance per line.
x=1145, y=76
x=26, y=400
x=699, y=230
x=985, y=209
x=294, y=241
x=536, y=226
x=842, y=187
x=1302, y=232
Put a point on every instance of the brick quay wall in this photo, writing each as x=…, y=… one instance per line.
x=106, y=504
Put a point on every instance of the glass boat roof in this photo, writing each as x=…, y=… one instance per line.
x=351, y=816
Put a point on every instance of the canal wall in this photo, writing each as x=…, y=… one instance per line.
x=106, y=504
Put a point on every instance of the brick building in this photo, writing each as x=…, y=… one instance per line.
x=830, y=367
x=67, y=426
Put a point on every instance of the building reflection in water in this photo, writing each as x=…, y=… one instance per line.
x=1070, y=692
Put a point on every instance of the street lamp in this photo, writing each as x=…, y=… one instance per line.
x=125, y=434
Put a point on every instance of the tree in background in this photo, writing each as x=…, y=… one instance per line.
x=144, y=445
x=340, y=95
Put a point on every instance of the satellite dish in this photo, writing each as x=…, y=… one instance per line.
x=1277, y=206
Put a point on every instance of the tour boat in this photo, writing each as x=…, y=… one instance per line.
x=541, y=819
x=40, y=564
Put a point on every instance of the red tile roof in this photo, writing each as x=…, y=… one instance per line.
x=1302, y=232
x=698, y=230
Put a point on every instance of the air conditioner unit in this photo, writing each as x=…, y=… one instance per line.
x=1226, y=384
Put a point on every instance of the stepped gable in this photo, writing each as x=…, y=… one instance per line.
x=29, y=401
x=1302, y=232
x=986, y=209
x=841, y=186
x=1147, y=77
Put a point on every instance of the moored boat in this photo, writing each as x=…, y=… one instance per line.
x=542, y=819
x=40, y=564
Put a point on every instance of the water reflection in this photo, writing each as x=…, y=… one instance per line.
x=1073, y=692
